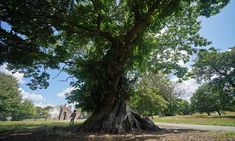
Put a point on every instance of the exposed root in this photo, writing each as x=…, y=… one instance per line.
x=117, y=119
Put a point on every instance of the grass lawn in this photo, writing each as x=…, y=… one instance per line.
x=200, y=119
x=27, y=125
x=41, y=130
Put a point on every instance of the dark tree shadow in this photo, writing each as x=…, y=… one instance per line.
x=70, y=134
x=222, y=116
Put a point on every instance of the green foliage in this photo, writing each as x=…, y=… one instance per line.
x=156, y=94
x=100, y=42
x=183, y=107
x=11, y=104
x=218, y=70
x=152, y=94
x=177, y=106
x=211, y=99
x=148, y=102
x=10, y=98
x=216, y=67
x=39, y=112
x=26, y=110
x=205, y=101
x=42, y=112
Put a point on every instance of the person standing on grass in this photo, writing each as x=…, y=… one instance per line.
x=72, y=117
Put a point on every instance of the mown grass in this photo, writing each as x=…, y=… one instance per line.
x=223, y=134
x=14, y=126
x=9, y=129
x=200, y=119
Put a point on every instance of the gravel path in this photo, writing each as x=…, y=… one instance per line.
x=197, y=127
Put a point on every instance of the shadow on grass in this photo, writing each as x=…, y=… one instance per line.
x=70, y=134
x=233, y=117
x=27, y=127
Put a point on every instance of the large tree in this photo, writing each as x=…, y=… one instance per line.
x=151, y=93
x=218, y=70
x=216, y=67
x=26, y=110
x=103, y=44
x=10, y=98
x=207, y=99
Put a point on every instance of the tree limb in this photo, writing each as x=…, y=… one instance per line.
x=225, y=75
x=140, y=23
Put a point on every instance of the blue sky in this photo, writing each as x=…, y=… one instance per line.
x=220, y=29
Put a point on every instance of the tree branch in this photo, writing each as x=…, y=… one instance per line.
x=225, y=75
x=95, y=32
x=140, y=22
x=98, y=22
x=90, y=31
x=59, y=72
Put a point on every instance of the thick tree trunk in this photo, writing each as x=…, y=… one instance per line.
x=115, y=116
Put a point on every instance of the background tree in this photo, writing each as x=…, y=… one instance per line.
x=217, y=68
x=204, y=100
x=42, y=112
x=156, y=94
x=26, y=110
x=148, y=99
x=182, y=107
x=10, y=97
x=39, y=112
x=101, y=43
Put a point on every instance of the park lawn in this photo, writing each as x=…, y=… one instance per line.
x=41, y=130
x=14, y=126
x=220, y=134
x=200, y=119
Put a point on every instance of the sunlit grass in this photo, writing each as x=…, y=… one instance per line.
x=64, y=133
x=221, y=134
x=201, y=119
x=32, y=124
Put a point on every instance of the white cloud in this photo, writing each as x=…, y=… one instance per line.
x=43, y=104
x=30, y=96
x=67, y=90
x=19, y=76
x=189, y=87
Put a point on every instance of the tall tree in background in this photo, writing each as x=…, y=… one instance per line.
x=207, y=100
x=26, y=110
x=11, y=103
x=10, y=98
x=151, y=93
x=156, y=94
x=103, y=44
x=217, y=68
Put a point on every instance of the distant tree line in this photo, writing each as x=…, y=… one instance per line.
x=12, y=106
x=215, y=70
x=155, y=94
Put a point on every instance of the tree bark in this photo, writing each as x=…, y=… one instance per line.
x=115, y=116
